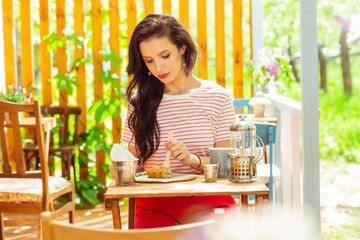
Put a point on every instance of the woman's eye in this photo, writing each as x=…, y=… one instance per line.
x=166, y=56
x=148, y=61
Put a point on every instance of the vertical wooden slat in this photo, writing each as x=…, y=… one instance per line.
x=166, y=6
x=238, y=58
x=251, y=30
x=310, y=113
x=131, y=17
x=45, y=55
x=295, y=164
x=251, y=42
x=114, y=46
x=80, y=76
x=10, y=65
x=202, y=39
x=149, y=6
x=220, y=42
x=9, y=43
x=285, y=185
x=184, y=13
x=27, y=53
x=61, y=58
x=98, y=85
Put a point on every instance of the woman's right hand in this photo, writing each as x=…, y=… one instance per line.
x=180, y=152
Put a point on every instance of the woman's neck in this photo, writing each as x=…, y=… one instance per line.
x=182, y=86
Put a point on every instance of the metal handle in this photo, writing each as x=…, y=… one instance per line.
x=261, y=145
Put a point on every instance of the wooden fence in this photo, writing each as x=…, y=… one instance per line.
x=133, y=7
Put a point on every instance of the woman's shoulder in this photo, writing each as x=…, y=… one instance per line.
x=213, y=87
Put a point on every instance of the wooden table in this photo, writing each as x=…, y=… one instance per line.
x=47, y=124
x=196, y=187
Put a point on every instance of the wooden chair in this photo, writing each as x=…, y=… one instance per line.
x=241, y=103
x=65, y=148
x=268, y=171
x=24, y=191
x=64, y=231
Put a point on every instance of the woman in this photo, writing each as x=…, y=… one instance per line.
x=165, y=96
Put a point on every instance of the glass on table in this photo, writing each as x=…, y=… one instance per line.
x=210, y=172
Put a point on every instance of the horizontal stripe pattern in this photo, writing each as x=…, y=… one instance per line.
x=197, y=119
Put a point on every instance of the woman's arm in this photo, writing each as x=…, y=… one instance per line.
x=133, y=151
x=224, y=143
x=179, y=151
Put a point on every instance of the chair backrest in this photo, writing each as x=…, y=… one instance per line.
x=241, y=103
x=64, y=112
x=266, y=131
x=11, y=138
x=64, y=231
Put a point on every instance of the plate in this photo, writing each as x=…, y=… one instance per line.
x=176, y=177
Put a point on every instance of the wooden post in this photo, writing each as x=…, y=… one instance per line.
x=184, y=13
x=256, y=37
x=9, y=43
x=310, y=107
x=149, y=6
x=202, y=39
x=238, y=56
x=131, y=18
x=61, y=58
x=80, y=77
x=220, y=42
x=257, y=41
x=45, y=55
x=166, y=6
x=114, y=45
x=2, y=68
x=98, y=85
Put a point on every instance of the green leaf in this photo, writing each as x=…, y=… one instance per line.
x=91, y=196
x=101, y=73
x=100, y=113
x=81, y=61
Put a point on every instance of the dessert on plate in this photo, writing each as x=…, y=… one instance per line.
x=159, y=173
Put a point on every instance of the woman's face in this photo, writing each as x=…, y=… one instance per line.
x=163, y=59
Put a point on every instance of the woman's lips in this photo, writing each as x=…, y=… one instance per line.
x=162, y=76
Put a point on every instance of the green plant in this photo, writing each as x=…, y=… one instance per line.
x=87, y=191
x=16, y=95
x=94, y=139
x=67, y=80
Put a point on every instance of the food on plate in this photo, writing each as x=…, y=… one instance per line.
x=159, y=173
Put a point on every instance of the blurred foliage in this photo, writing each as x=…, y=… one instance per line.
x=350, y=230
x=339, y=117
x=339, y=127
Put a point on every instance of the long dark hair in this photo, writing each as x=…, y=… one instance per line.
x=142, y=121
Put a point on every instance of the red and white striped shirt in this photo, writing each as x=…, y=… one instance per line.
x=198, y=119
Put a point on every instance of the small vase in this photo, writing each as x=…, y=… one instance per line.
x=275, y=88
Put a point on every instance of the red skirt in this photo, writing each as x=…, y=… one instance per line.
x=170, y=211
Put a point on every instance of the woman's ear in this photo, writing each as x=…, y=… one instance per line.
x=182, y=50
